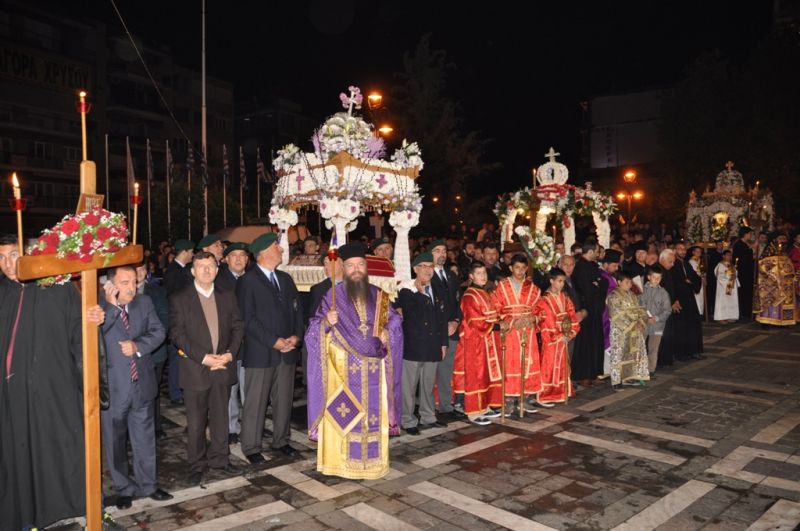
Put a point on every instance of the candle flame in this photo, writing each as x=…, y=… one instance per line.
x=82, y=94
x=14, y=180
x=136, y=188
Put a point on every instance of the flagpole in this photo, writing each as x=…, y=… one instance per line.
x=225, y=179
x=169, y=205
x=149, y=177
x=203, y=122
x=189, y=197
x=241, y=201
x=128, y=165
x=258, y=197
x=108, y=191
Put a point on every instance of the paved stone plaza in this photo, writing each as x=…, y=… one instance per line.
x=712, y=444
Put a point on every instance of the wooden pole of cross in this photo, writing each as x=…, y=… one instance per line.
x=33, y=267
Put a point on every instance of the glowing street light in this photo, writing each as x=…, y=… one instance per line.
x=385, y=130
x=629, y=177
x=374, y=100
x=637, y=195
x=435, y=199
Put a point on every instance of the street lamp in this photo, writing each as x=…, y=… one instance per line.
x=385, y=130
x=374, y=100
x=637, y=195
x=629, y=177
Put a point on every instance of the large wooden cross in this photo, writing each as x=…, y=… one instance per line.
x=33, y=267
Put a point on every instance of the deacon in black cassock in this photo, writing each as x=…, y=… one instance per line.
x=745, y=269
x=683, y=331
x=41, y=401
x=591, y=289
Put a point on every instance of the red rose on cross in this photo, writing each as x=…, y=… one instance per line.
x=91, y=219
x=70, y=226
x=103, y=233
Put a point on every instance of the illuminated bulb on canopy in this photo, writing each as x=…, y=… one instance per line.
x=721, y=217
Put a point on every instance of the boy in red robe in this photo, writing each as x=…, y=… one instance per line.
x=476, y=368
x=558, y=325
x=515, y=298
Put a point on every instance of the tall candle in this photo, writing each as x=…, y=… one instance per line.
x=18, y=208
x=135, y=209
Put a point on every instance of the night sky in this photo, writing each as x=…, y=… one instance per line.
x=521, y=68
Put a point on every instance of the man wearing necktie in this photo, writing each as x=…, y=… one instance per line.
x=445, y=285
x=273, y=321
x=424, y=345
x=132, y=331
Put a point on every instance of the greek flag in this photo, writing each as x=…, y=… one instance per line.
x=226, y=170
x=242, y=170
x=262, y=175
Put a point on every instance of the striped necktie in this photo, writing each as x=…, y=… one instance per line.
x=124, y=316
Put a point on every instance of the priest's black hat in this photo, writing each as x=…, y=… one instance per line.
x=641, y=245
x=612, y=257
x=352, y=250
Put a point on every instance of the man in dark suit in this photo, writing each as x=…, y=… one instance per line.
x=236, y=258
x=207, y=328
x=491, y=257
x=158, y=296
x=177, y=277
x=745, y=264
x=445, y=286
x=132, y=331
x=273, y=320
x=424, y=345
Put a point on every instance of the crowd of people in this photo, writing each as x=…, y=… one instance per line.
x=476, y=334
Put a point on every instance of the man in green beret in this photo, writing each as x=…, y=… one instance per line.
x=424, y=345
x=382, y=247
x=273, y=317
x=236, y=258
x=212, y=243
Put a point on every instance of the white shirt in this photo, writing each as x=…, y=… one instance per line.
x=204, y=293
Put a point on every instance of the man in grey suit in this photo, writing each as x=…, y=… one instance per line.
x=132, y=331
x=273, y=323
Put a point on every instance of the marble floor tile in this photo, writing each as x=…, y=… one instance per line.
x=667, y=507
x=659, y=434
x=783, y=516
x=720, y=394
x=608, y=400
x=753, y=341
x=622, y=448
x=755, y=386
x=242, y=517
x=461, y=451
x=771, y=360
x=477, y=508
x=180, y=496
x=377, y=519
x=425, y=434
x=778, y=429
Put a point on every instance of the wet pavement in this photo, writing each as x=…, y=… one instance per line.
x=710, y=444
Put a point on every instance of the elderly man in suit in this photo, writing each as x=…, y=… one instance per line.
x=206, y=327
x=132, y=331
x=273, y=320
x=446, y=287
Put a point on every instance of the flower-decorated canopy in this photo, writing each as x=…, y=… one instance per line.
x=717, y=215
x=346, y=175
x=555, y=196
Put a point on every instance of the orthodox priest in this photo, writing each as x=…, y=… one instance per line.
x=355, y=360
x=41, y=400
x=745, y=264
x=591, y=288
x=683, y=333
x=774, y=302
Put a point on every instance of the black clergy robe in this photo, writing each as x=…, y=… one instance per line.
x=591, y=289
x=683, y=331
x=745, y=271
x=41, y=411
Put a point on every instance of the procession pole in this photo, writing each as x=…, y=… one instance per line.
x=503, y=375
x=522, y=343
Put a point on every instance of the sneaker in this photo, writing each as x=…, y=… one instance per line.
x=653, y=375
x=458, y=408
x=492, y=413
x=481, y=421
x=530, y=409
x=540, y=404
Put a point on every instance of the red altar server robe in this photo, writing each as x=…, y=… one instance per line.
x=476, y=368
x=557, y=314
x=513, y=307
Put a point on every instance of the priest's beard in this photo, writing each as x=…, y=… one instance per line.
x=357, y=290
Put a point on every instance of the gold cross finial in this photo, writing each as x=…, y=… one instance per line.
x=729, y=165
x=343, y=410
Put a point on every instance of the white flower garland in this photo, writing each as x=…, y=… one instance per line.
x=539, y=247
